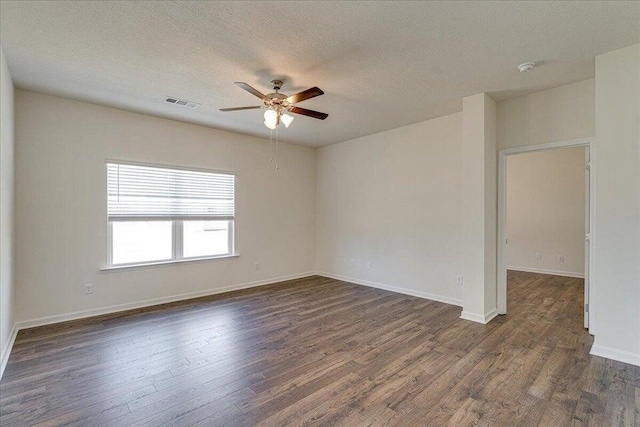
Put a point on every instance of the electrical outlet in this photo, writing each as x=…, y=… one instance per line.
x=369, y=265
x=352, y=264
x=560, y=258
x=538, y=255
x=256, y=266
x=459, y=280
x=88, y=289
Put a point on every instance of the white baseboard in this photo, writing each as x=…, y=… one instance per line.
x=6, y=351
x=48, y=320
x=405, y=291
x=479, y=318
x=615, y=354
x=543, y=271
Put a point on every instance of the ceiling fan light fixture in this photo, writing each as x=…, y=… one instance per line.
x=286, y=119
x=270, y=115
x=271, y=119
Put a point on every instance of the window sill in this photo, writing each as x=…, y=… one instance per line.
x=170, y=262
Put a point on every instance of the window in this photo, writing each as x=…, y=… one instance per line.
x=141, y=241
x=161, y=214
x=205, y=238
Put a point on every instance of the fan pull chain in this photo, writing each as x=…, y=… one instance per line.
x=277, y=147
x=271, y=144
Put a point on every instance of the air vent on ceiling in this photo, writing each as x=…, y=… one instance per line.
x=181, y=102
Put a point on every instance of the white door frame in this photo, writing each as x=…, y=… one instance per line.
x=502, y=215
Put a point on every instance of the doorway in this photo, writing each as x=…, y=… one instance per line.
x=532, y=255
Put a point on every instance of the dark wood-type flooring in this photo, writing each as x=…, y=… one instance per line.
x=323, y=352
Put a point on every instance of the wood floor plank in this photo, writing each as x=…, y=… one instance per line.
x=318, y=351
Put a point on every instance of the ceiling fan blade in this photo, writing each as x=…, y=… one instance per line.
x=251, y=90
x=241, y=108
x=310, y=113
x=304, y=95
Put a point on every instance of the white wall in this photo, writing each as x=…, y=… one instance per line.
x=617, y=205
x=558, y=114
x=61, y=147
x=394, y=200
x=6, y=206
x=546, y=210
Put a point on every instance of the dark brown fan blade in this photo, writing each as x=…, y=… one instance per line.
x=240, y=108
x=310, y=113
x=307, y=94
x=251, y=90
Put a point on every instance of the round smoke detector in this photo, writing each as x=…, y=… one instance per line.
x=526, y=67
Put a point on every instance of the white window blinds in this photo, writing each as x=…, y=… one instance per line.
x=146, y=193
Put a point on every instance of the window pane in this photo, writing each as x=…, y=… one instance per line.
x=205, y=238
x=141, y=241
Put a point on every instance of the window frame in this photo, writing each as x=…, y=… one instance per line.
x=177, y=246
x=177, y=234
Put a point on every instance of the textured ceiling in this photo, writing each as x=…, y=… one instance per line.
x=381, y=64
